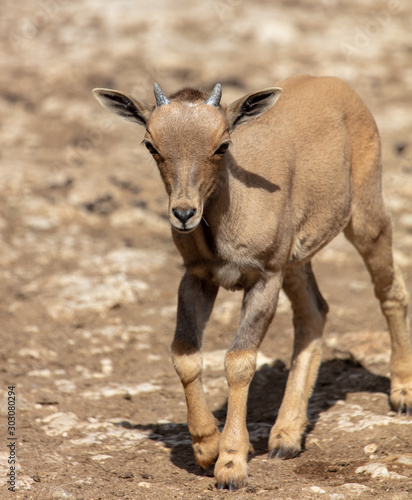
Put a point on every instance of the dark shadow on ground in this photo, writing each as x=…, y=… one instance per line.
x=337, y=378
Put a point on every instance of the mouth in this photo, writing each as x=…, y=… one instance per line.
x=185, y=228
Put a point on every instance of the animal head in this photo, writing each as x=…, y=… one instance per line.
x=188, y=135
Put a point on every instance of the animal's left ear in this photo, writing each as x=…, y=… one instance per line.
x=251, y=106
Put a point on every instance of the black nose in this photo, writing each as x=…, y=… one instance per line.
x=183, y=214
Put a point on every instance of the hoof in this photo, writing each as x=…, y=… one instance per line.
x=231, y=486
x=231, y=471
x=285, y=443
x=284, y=453
x=401, y=400
x=206, y=449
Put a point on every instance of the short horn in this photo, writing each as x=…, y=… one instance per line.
x=214, y=99
x=161, y=99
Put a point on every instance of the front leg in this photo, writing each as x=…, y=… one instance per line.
x=195, y=303
x=259, y=306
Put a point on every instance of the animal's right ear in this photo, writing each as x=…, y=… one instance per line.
x=251, y=106
x=124, y=106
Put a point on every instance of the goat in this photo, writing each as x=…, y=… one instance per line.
x=255, y=190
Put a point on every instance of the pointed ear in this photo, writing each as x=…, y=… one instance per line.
x=124, y=106
x=251, y=106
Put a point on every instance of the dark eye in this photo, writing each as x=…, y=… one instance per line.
x=152, y=150
x=222, y=149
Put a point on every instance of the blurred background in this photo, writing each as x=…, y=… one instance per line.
x=88, y=270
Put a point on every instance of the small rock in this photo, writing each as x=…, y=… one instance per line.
x=104, y=205
x=127, y=475
x=378, y=470
x=101, y=457
x=41, y=223
x=59, y=423
x=31, y=329
x=65, y=385
x=107, y=366
x=356, y=488
x=404, y=495
x=405, y=460
x=24, y=482
x=27, y=352
x=133, y=260
x=61, y=493
x=370, y=448
x=143, y=484
x=316, y=489
x=40, y=373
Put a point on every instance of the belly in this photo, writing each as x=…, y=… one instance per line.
x=310, y=240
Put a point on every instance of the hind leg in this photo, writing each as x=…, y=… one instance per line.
x=370, y=232
x=309, y=315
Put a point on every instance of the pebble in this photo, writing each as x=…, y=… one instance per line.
x=59, y=423
x=31, y=329
x=353, y=418
x=316, y=489
x=132, y=260
x=65, y=385
x=378, y=470
x=61, y=493
x=25, y=482
x=40, y=373
x=404, y=495
x=120, y=390
x=370, y=449
x=405, y=460
x=76, y=292
x=107, y=366
x=101, y=457
x=41, y=223
x=356, y=488
x=144, y=484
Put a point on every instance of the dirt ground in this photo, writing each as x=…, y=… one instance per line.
x=89, y=272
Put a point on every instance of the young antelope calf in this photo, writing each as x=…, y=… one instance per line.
x=255, y=190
